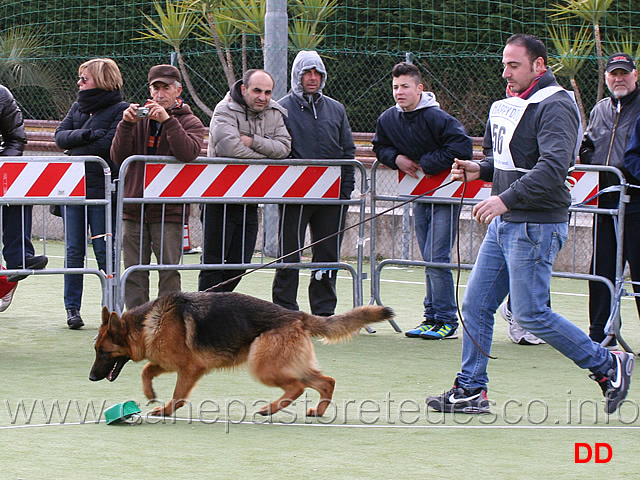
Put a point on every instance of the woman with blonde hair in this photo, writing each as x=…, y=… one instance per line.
x=88, y=129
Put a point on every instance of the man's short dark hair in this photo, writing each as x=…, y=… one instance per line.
x=534, y=46
x=410, y=69
x=249, y=73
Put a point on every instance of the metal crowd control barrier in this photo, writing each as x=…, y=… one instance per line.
x=57, y=180
x=390, y=188
x=242, y=181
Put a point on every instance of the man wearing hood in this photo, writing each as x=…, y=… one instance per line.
x=611, y=124
x=319, y=129
x=416, y=134
x=247, y=123
x=167, y=127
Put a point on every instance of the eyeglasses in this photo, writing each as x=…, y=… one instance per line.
x=83, y=79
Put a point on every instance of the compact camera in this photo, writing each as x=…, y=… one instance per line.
x=142, y=112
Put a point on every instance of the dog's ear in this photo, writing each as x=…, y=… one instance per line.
x=105, y=315
x=116, y=325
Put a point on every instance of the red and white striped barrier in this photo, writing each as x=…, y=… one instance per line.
x=241, y=181
x=408, y=185
x=582, y=185
x=42, y=180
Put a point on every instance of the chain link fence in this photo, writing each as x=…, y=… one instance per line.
x=465, y=86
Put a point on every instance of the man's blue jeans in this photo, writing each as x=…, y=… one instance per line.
x=517, y=258
x=75, y=227
x=436, y=231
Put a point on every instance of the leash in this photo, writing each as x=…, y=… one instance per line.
x=341, y=231
x=459, y=270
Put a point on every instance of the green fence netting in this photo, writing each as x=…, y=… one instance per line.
x=456, y=43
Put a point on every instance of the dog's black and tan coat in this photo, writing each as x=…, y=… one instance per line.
x=194, y=333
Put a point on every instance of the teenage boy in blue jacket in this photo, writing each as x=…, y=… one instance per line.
x=416, y=134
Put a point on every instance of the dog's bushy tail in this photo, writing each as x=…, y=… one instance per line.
x=341, y=327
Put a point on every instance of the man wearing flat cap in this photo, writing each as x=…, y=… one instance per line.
x=611, y=124
x=164, y=125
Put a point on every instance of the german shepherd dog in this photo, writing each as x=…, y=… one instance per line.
x=194, y=333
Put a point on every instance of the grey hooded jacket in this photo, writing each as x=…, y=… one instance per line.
x=318, y=124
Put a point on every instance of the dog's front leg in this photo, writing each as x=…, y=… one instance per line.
x=187, y=380
x=149, y=372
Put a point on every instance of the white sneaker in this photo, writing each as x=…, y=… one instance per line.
x=7, y=299
x=517, y=334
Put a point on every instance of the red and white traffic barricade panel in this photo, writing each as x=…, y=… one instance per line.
x=42, y=180
x=582, y=185
x=408, y=185
x=241, y=181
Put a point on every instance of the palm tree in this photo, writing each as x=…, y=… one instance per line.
x=219, y=28
x=572, y=50
x=18, y=47
x=590, y=11
x=626, y=45
x=173, y=27
x=305, y=31
x=221, y=22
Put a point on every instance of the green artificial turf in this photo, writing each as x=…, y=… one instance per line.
x=377, y=427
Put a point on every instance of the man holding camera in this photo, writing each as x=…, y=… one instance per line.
x=164, y=125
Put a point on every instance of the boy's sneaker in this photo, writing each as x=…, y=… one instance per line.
x=423, y=327
x=615, y=384
x=440, y=332
x=460, y=400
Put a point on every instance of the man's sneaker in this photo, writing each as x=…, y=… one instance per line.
x=615, y=384
x=32, y=263
x=460, y=400
x=7, y=299
x=517, y=334
x=440, y=332
x=423, y=327
x=74, y=320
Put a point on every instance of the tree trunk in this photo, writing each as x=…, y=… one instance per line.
x=228, y=69
x=192, y=91
x=244, y=53
x=583, y=115
x=596, y=32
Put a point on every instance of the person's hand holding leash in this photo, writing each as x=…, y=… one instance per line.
x=486, y=210
x=459, y=168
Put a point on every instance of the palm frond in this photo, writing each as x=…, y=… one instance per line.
x=590, y=11
x=572, y=49
x=175, y=23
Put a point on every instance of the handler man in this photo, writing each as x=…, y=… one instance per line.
x=534, y=142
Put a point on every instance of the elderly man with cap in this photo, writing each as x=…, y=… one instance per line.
x=165, y=125
x=611, y=124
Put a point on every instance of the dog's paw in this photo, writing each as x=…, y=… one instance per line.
x=313, y=412
x=265, y=412
x=160, y=412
